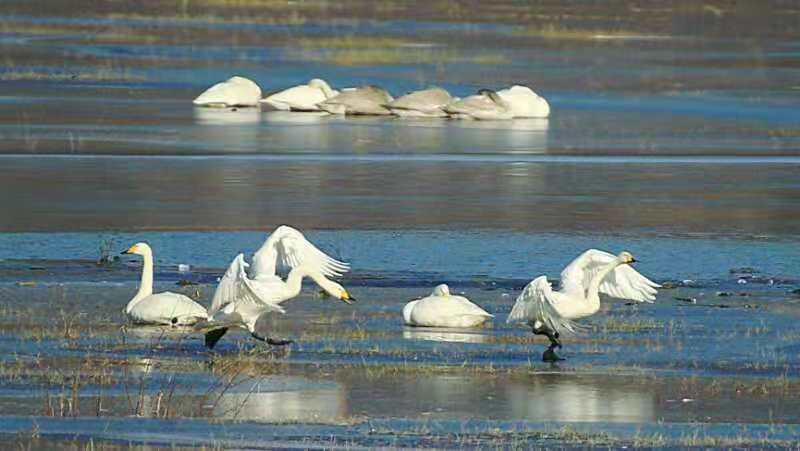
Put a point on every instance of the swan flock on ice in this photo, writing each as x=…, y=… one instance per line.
x=317, y=96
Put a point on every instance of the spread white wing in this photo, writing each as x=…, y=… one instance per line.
x=287, y=248
x=623, y=282
x=235, y=288
x=536, y=304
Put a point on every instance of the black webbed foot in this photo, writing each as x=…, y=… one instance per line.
x=550, y=355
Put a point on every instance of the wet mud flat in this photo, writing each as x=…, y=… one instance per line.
x=713, y=362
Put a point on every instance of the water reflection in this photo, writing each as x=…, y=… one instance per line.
x=560, y=397
x=539, y=398
x=516, y=135
x=293, y=117
x=223, y=129
x=227, y=116
x=261, y=400
x=104, y=194
x=532, y=125
x=322, y=132
x=433, y=334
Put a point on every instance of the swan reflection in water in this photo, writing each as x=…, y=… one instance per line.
x=261, y=400
x=227, y=116
x=514, y=134
x=561, y=397
x=436, y=334
x=298, y=118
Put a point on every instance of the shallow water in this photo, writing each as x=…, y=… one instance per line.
x=674, y=135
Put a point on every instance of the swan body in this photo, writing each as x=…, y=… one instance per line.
x=426, y=103
x=242, y=296
x=235, y=91
x=441, y=309
x=302, y=97
x=524, y=102
x=485, y=105
x=552, y=313
x=366, y=100
x=159, y=308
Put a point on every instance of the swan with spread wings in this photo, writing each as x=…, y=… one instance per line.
x=244, y=297
x=551, y=313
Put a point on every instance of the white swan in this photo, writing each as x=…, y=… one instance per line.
x=301, y=98
x=426, y=103
x=160, y=308
x=524, y=102
x=241, y=299
x=366, y=100
x=441, y=309
x=550, y=312
x=235, y=91
x=485, y=105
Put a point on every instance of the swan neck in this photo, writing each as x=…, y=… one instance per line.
x=326, y=90
x=146, y=284
x=593, y=291
x=294, y=281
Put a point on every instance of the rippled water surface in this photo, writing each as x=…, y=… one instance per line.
x=673, y=134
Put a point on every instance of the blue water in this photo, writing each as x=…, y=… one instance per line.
x=450, y=255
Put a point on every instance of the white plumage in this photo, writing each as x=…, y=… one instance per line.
x=302, y=97
x=235, y=91
x=242, y=298
x=551, y=312
x=160, y=308
x=441, y=309
x=524, y=102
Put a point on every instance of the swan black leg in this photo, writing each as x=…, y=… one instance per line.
x=213, y=336
x=550, y=354
x=272, y=341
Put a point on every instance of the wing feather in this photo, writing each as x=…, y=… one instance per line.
x=623, y=282
x=235, y=288
x=287, y=248
x=536, y=303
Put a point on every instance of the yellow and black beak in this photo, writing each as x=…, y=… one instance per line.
x=129, y=250
x=346, y=298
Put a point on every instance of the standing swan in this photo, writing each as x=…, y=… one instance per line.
x=441, y=309
x=240, y=299
x=302, y=97
x=160, y=308
x=550, y=312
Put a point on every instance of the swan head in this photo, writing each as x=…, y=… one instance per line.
x=322, y=85
x=441, y=290
x=337, y=291
x=626, y=258
x=494, y=97
x=139, y=249
x=319, y=83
